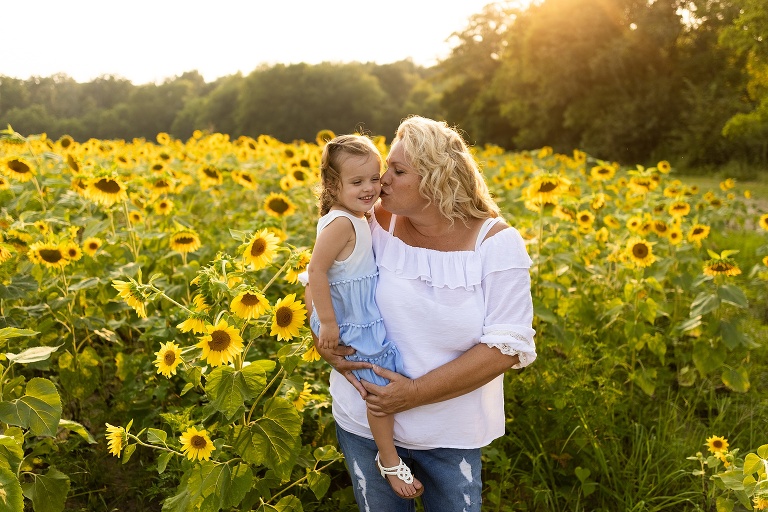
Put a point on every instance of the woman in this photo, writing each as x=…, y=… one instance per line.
x=454, y=292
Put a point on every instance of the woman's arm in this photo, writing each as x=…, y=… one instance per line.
x=473, y=369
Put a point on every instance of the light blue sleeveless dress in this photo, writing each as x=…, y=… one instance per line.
x=353, y=288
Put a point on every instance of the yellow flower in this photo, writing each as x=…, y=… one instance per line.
x=660, y=227
x=634, y=223
x=640, y=252
x=91, y=245
x=73, y=251
x=664, y=167
x=585, y=218
x=611, y=222
x=116, y=439
x=679, y=209
x=18, y=168
x=602, y=172
x=245, y=179
x=765, y=261
x=717, y=444
x=163, y=207
x=288, y=316
x=278, y=205
x=675, y=235
x=760, y=502
x=312, y=354
x=185, y=241
x=135, y=217
x=727, y=184
x=221, y=344
x=261, y=249
x=106, y=191
x=209, y=177
x=764, y=221
x=195, y=323
x=698, y=232
x=299, y=266
x=168, y=358
x=546, y=187
x=249, y=304
x=132, y=295
x=726, y=267
x=323, y=136
x=42, y=226
x=304, y=395
x=5, y=253
x=4, y=183
x=196, y=444
x=47, y=254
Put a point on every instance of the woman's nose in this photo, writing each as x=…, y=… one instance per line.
x=384, y=180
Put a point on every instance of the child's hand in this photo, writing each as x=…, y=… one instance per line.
x=329, y=336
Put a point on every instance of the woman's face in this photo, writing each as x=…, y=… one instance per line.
x=400, y=184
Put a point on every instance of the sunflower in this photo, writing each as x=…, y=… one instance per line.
x=602, y=172
x=163, y=138
x=598, y=201
x=311, y=354
x=73, y=251
x=135, y=217
x=288, y=315
x=717, y=444
x=727, y=184
x=168, y=358
x=65, y=142
x=675, y=235
x=579, y=157
x=664, y=167
x=641, y=184
x=602, y=234
x=640, y=252
x=764, y=221
x=132, y=295
x=760, y=502
x=91, y=245
x=261, y=249
x=611, y=222
x=163, y=207
x=634, y=223
x=42, y=226
x=298, y=266
x=245, y=179
x=721, y=266
x=698, y=232
x=5, y=253
x=585, y=218
x=18, y=168
x=546, y=187
x=48, y=254
x=765, y=260
x=535, y=205
x=106, y=191
x=185, y=241
x=199, y=303
x=324, y=136
x=221, y=344
x=195, y=323
x=249, y=304
x=301, y=399
x=196, y=444
x=4, y=183
x=209, y=176
x=278, y=205
x=660, y=227
x=116, y=439
x=679, y=209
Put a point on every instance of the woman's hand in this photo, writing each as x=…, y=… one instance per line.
x=335, y=357
x=397, y=396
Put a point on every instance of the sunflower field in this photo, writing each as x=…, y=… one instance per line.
x=156, y=354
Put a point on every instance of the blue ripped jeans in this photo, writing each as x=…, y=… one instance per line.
x=450, y=476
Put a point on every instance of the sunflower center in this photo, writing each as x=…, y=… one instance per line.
x=278, y=205
x=717, y=444
x=169, y=358
x=161, y=184
x=108, y=186
x=250, y=299
x=258, y=247
x=158, y=167
x=72, y=252
x=246, y=177
x=211, y=173
x=18, y=166
x=219, y=341
x=93, y=246
x=198, y=442
x=640, y=250
x=283, y=316
x=547, y=186
x=299, y=175
x=184, y=240
x=698, y=231
x=721, y=267
x=51, y=255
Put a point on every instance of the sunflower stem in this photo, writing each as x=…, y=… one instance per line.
x=162, y=294
x=274, y=278
x=297, y=482
x=263, y=391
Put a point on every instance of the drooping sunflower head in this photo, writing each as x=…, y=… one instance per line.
x=261, y=249
x=18, y=168
x=221, y=343
x=48, y=254
x=91, y=245
x=279, y=205
x=130, y=292
x=116, y=439
x=288, y=316
x=717, y=444
x=196, y=444
x=640, y=252
x=185, y=241
x=168, y=358
x=298, y=265
x=249, y=304
x=195, y=323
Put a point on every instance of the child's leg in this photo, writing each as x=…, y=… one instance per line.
x=382, y=428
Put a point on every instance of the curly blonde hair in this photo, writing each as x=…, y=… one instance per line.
x=450, y=176
x=335, y=152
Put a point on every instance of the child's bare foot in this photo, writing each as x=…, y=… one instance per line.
x=400, y=478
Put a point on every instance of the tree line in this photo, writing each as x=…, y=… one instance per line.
x=624, y=80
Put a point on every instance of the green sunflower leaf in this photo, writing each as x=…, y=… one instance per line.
x=78, y=429
x=736, y=379
x=319, y=483
x=39, y=409
x=48, y=492
x=32, y=355
x=707, y=358
x=11, y=453
x=704, y=303
x=228, y=389
x=7, y=333
x=11, y=498
x=276, y=433
x=752, y=463
x=732, y=295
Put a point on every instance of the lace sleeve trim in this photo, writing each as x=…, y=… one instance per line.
x=520, y=347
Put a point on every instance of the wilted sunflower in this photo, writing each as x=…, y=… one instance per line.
x=546, y=187
x=679, y=209
x=196, y=444
x=106, y=191
x=163, y=207
x=91, y=245
x=168, y=358
x=73, y=251
x=278, y=205
x=48, y=254
x=288, y=315
x=764, y=221
x=261, y=249
x=640, y=252
x=221, y=344
x=323, y=136
x=18, y=168
x=116, y=439
x=185, y=241
x=717, y=444
x=249, y=304
x=132, y=295
x=299, y=265
x=195, y=323
x=721, y=264
x=698, y=232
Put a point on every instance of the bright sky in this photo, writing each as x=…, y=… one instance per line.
x=150, y=40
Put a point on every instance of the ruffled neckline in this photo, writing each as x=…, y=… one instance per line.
x=449, y=269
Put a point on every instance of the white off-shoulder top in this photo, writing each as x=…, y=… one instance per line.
x=436, y=305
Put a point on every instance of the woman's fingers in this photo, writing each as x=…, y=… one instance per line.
x=389, y=399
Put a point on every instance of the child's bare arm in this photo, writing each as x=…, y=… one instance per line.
x=329, y=244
